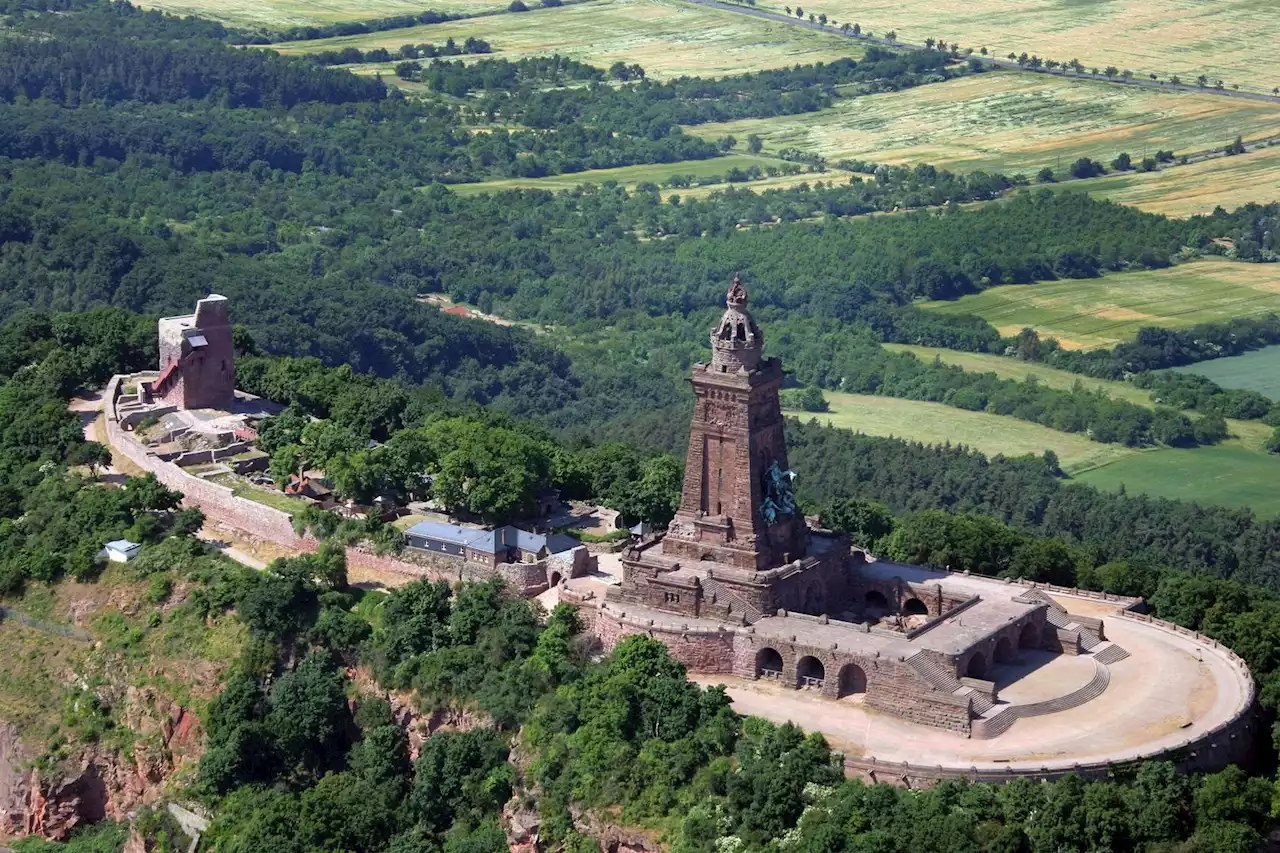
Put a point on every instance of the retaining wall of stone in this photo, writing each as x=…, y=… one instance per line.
x=699, y=650
x=1229, y=743
x=222, y=506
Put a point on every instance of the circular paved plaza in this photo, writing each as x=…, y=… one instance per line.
x=1171, y=689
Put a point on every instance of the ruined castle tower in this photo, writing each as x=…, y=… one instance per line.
x=197, y=358
x=736, y=508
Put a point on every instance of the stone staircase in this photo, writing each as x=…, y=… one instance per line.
x=725, y=597
x=1110, y=653
x=941, y=679
x=1003, y=716
x=1057, y=616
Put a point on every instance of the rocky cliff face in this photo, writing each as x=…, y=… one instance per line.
x=523, y=822
x=98, y=782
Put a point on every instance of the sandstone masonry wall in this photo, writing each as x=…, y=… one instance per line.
x=221, y=505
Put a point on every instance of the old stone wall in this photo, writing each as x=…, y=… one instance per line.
x=890, y=685
x=222, y=506
x=708, y=652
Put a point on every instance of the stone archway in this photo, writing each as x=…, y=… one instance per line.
x=768, y=664
x=810, y=672
x=1029, y=636
x=853, y=679
x=1004, y=651
x=875, y=600
x=555, y=579
x=977, y=667
x=914, y=607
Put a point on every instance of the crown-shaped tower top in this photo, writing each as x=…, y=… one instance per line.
x=736, y=342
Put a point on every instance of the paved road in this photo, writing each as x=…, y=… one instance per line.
x=990, y=61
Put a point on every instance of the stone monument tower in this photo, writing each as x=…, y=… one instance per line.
x=736, y=508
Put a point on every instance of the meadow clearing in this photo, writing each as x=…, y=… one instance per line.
x=1019, y=371
x=1006, y=121
x=1229, y=182
x=667, y=38
x=658, y=173
x=936, y=423
x=1086, y=313
x=1225, y=475
x=1257, y=371
x=293, y=13
x=1231, y=40
x=1237, y=472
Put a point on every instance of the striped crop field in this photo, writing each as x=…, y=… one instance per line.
x=667, y=38
x=295, y=13
x=1231, y=40
x=1086, y=313
x=1196, y=188
x=1010, y=122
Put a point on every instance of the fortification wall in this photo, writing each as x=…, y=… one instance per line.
x=222, y=506
x=700, y=651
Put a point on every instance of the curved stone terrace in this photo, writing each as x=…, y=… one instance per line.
x=1174, y=688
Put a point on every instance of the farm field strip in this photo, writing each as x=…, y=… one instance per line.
x=1009, y=122
x=667, y=38
x=1235, y=473
x=1020, y=371
x=1245, y=435
x=1196, y=188
x=1224, y=475
x=630, y=176
x=1232, y=41
x=292, y=13
x=1086, y=313
x=936, y=423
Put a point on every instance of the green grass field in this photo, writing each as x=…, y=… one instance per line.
x=1225, y=475
x=1011, y=368
x=1010, y=122
x=1233, y=40
x=1245, y=435
x=668, y=38
x=935, y=423
x=657, y=173
x=1086, y=313
x=290, y=13
x=1229, y=182
x=1257, y=371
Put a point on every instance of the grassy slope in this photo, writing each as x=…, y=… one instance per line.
x=668, y=38
x=180, y=657
x=935, y=423
x=1010, y=122
x=1229, y=182
x=1104, y=311
x=1229, y=40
